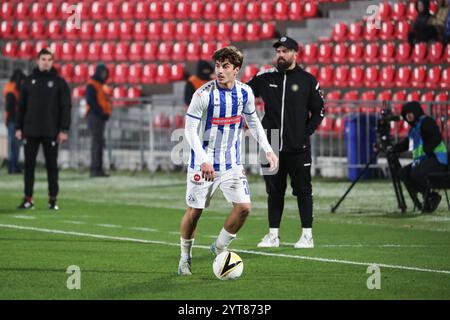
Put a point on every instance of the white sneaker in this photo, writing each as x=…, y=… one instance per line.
x=304, y=242
x=184, y=267
x=269, y=241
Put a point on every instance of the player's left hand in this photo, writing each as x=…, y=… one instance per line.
x=273, y=160
x=62, y=137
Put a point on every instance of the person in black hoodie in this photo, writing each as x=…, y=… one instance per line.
x=429, y=153
x=43, y=117
x=11, y=92
x=205, y=73
x=293, y=107
x=98, y=112
x=422, y=30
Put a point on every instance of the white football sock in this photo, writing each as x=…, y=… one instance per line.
x=274, y=232
x=186, y=248
x=224, y=239
x=307, y=232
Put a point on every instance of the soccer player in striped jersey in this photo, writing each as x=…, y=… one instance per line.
x=213, y=130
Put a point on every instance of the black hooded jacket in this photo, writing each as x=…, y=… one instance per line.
x=429, y=131
x=293, y=104
x=91, y=94
x=44, y=105
x=10, y=99
x=204, y=71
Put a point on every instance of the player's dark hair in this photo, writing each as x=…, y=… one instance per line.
x=230, y=53
x=44, y=51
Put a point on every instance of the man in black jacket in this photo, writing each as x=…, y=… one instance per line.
x=43, y=118
x=429, y=153
x=293, y=108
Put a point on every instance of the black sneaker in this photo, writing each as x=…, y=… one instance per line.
x=26, y=204
x=52, y=205
x=432, y=203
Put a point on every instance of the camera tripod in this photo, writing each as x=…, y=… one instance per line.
x=394, y=168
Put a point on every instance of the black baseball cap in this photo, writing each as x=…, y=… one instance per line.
x=286, y=42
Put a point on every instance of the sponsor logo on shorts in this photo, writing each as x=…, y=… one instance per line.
x=191, y=198
x=197, y=177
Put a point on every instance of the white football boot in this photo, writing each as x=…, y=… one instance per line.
x=184, y=267
x=305, y=242
x=269, y=241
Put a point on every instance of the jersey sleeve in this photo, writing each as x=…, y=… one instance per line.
x=250, y=107
x=197, y=106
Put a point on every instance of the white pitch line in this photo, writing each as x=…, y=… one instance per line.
x=19, y=216
x=143, y=229
x=360, y=245
x=108, y=225
x=100, y=236
x=73, y=222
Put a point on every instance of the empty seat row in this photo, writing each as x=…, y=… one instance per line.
x=360, y=30
x=125, y=73
x=388, y=52
x=156, y=30
x=116, y=51
x=156, y=10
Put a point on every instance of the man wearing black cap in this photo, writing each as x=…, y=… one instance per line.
x=429, y=153
x=294, y=109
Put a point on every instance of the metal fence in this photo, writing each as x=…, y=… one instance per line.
x=139, y=135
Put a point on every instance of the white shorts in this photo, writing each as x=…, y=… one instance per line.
x=232, y=182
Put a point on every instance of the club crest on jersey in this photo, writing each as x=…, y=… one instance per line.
x=197, y=177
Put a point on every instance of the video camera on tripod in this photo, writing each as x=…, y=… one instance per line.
x=385, y=142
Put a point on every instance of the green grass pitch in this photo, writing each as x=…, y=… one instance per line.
x=123, y=234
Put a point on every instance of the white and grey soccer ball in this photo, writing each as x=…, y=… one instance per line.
x=228, y=266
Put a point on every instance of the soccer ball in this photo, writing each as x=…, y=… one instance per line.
x=228, y=266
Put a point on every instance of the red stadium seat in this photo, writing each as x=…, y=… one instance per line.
x=80, y=73
x=371, y=53
x=6, y=11
x=141, y=10
x=398, y=11
x=168, y=30
x=51, y=11
x=196, y=10
x=341, y=76
x=150, y=51
x=121, y=73
x=102, y=28
x=22, y=11
x=314, y=70
x=179, y=51
x=140, y=30
x=154, y=30
x=239, y=11
x=403, y=52
x=182, y=10
x=340, y=52
x=168, y=10
x=121, y=52
x=81, y=51
x=177, y=72
x=112, y=31
x=164, y=51
x=413, y=96
x=196, y=31
x=252, y=31
x=267, y=31
x=427, y=97
x=193, y=51
x=398, y=99
x=126, y=30
x=252, y=11
x=367, y=107
x=326, y=126
x=248, y=72
x=401, y=30
x=310, y=9
x=387, y=76
x=223, y=31
x=326, y=75
x=126, y=10
x=67, y=72
x=210, y=31
x=107, y=51
x=355, y=32
x=325, y=53
x=402, y=77
x=295, y=11
x=37, y=11
x=446, y=57
x=332, y=102
x=211, y=11
x=163, y=73
x=78, y=92
x=68, y=51
x=339, y=126
x=112, y=10
x=411, y=12
x=433, y=77
x=87, y=30
x=119, y=93
x=37, y=30
x=238, y=31
x=136, y=50
x=385, y=95
x=149, y=73
x=356, y=76
x=435, y=52
x=349, y=105
x=445, y=78
x=39, y=45
x=310, y=52
x=371, y=76
x=155, y=10
x=384, y=11
x=339, y=32
x=7, y=30
x=419, y=53
x=266, y=10
x=22, y=30
x=388, y=52
x=54, y=30
x=135, y=73
x=207, y=50
x=280, y=11
x=370, y=32
x=134, y=92
x=356, y=52
x=25, y=50
x=97, y=10
x=419, y=76
x=225, y=11
x=387, y=30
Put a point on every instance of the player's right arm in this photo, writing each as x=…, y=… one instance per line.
x=194, y=115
